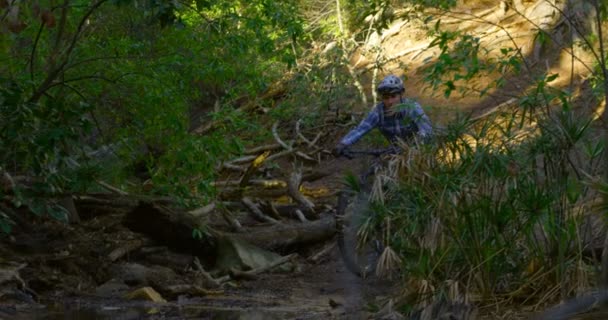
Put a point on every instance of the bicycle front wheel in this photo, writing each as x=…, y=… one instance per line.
x=359, y=256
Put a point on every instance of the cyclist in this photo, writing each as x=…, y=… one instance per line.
x=397, y=117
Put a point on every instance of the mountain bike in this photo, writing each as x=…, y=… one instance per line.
x=359, y=253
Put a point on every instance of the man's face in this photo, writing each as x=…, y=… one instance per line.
x=390, y=99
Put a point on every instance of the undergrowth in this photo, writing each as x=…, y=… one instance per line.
x=504, y=206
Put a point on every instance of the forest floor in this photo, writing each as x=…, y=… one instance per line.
x=52, y=270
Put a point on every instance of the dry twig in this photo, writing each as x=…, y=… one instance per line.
x=294, y=191
x=256, y=212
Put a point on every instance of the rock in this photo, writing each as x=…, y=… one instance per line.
x=145, y=293
x=135, y=274
x=112, y=288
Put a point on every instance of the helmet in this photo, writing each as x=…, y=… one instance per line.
x=390, y=84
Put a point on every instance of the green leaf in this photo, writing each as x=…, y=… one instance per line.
x=197, y=234
x=552, y=77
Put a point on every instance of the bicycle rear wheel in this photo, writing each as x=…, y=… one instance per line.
x=359, y=257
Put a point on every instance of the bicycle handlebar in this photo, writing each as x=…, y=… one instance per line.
x=350, y=154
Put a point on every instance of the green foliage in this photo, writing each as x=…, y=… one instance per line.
x=125, y=75
x=473, y=208
x=443, y=4
x=6, y=223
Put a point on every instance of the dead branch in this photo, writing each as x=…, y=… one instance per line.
x=125, y=249
x=232, y=221
x=280, y=154
x=203, y=210
x=305, y=156
x=112, y=188
x=317, y=256
x=289, y=211
x=259, y=149
x=7, y=184
x=300, y=215
x=278, y=139
x=270, y=184
x=301, y=136
x=272, y=209
x=253, y=167
x=286, y=236
x=209, y=280
x=499, y=107
x=294, y=191
x=88, y=200
x=244, y=159
x=316, y=139
x=256, y=212
x=252, y=274
x=232, y=167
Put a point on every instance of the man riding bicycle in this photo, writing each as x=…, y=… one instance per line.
x=397, y=117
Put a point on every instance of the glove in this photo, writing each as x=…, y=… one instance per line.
x=339, y=150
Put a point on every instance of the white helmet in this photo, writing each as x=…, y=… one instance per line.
x=390, y=84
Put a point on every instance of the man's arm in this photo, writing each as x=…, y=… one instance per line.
x=364, y=127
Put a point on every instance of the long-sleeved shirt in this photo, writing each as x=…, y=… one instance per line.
x=407, y=120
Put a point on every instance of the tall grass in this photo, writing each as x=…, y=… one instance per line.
x=501, y=206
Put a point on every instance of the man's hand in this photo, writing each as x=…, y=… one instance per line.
x=339, y=150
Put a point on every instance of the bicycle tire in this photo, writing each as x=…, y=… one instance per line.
x=359, y=260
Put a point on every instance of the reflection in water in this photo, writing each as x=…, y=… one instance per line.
x=144, y=311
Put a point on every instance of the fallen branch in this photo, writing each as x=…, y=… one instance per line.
x=232, y=167
x=209, y=280
x=112, y=188
x=254, y=182
x=317, y=256
x=278, y=139
x=280, y=154
x=203, y=210
x=305, y=156
x=289, y=211
x=293, y=189
x=232, y=222
x=301, y=136
x=508, y=103
x=300, y=215
x=125, y=249
x=244, y=159
x=253, y=167
x=286, y=236
x=256, y=212
x=252, y=274
x=272, y=209
x=259, y=149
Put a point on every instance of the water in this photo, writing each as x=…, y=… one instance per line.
x=80, y=310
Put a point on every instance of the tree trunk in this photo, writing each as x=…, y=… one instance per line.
x=286, y=237
x=175, y=229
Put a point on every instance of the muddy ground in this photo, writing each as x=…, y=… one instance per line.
x=53, y=270
x=65, y=269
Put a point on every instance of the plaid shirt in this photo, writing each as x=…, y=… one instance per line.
x=408, y=119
